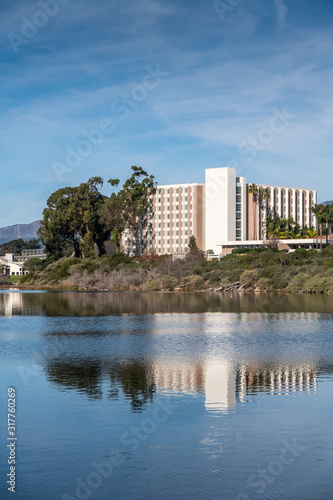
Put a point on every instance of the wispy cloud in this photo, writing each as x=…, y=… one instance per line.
x=282, y=10
x=225, y=81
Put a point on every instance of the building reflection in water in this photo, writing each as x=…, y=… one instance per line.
x=224, y=384
x=11, y=303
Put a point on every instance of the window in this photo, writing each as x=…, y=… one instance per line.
x=238, y=190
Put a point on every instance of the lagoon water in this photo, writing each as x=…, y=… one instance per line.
x=168, y=396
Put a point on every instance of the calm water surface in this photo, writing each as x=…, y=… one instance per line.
x=168, y=396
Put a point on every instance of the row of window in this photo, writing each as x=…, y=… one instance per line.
x=183, y=189
x=175, y=224
x=176, y=200
x=168, y=233
x=175, y=216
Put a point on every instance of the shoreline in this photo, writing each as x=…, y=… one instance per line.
x=54, y=288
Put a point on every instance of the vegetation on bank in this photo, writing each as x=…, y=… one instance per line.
x=307, y=271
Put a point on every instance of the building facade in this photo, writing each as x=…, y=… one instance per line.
x=221, y=211
x=11, y=266
x=177, y=213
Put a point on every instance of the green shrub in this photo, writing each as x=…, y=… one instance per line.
x=235, y=275
x=250, y=277
x=194, y=282
x=119, y=258
x=264, y=284
x=318, y=284
x=297, y=283
x=153, y=285
x=164, y=282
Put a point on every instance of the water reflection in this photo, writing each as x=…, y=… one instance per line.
x=11, y=304
x=86, y=376
x=222, y=383
x=119, y=303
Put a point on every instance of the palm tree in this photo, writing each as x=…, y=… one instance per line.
x=318, y=211
x=330, y=220
x=254, y=190
x=265, y=195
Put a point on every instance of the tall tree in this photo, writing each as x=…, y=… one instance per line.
x=319, y=212
x=265, y=195
x=130, y=208
x=254, y=190
x=72, y=218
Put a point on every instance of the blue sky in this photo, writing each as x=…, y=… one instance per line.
x=172, y=86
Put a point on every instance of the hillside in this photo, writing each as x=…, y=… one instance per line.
x=306, y=271
x=24, y=231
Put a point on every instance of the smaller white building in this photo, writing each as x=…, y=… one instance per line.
x=11, y=266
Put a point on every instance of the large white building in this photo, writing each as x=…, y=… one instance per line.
x=234, y=215
x=221, y=212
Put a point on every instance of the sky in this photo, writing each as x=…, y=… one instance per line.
x=91, y=87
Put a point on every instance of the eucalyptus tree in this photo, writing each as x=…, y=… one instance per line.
x=129, y=209
x=72, y=218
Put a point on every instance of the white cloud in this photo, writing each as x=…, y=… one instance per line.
x=281, y=13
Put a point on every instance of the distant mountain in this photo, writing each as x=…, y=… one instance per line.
x=24, y=231
x=327, y=202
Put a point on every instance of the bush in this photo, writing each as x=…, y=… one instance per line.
x=235, y=275
x=119, y=258
x=194, y=282
x=297, y=283
x=250, y=277
x=318, y=284
x=164, y=283
x=4, y=280
x=264, y=284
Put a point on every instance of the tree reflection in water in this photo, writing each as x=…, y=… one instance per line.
x=87, y=375
x=138, y=303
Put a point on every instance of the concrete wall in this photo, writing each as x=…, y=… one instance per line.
x=220, y=206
